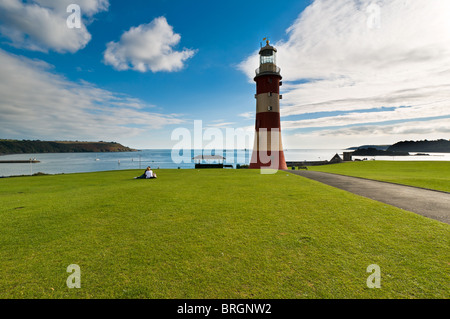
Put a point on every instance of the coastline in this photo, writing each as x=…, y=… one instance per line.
x=72, y=152
x=16, y=147
x=83, y=162
x=20, y=161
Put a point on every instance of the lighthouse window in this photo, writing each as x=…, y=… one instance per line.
x=268, y=56
x=269, y=108
x=267, y=59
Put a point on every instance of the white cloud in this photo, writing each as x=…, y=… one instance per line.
x=88, y=7
x=369, y=134
x=248, y=115
x=438, y=128
x=332, y=61
x=432, y=110
x=148, y=47
x=40, y=25
x=222, y=125
x=37, y=103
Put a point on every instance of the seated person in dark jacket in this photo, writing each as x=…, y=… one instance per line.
x=148, y=174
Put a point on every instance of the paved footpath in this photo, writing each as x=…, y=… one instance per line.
x=428, y=203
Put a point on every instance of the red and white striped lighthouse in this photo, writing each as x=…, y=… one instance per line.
x=268, y=148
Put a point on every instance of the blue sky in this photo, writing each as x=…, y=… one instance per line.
x=355, y=72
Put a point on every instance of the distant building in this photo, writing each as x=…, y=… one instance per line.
x=207, y=158
x=336, y=159
x=348, y=156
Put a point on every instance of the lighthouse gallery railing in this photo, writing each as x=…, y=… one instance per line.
x=268, y=68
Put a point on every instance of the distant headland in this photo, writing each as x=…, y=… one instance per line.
x=438, y=146
x=376, y=152
x=403, y=148
x=37, y=146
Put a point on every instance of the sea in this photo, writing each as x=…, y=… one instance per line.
x=65, y=163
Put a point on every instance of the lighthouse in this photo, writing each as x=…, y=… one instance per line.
x=268, y=148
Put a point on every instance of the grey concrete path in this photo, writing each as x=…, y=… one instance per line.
x=428, y=203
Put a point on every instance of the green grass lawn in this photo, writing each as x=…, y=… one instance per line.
x=430, y=174
x=211, y=234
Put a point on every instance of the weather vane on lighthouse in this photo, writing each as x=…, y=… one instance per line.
x=268, y=149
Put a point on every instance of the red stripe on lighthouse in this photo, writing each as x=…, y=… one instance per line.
x=268, y=123
x=267, y=84
x=268, y=120
x=261, y=160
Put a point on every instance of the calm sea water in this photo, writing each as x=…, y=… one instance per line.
x=164, y=159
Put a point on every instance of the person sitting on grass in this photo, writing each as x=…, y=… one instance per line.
x=148, y=174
